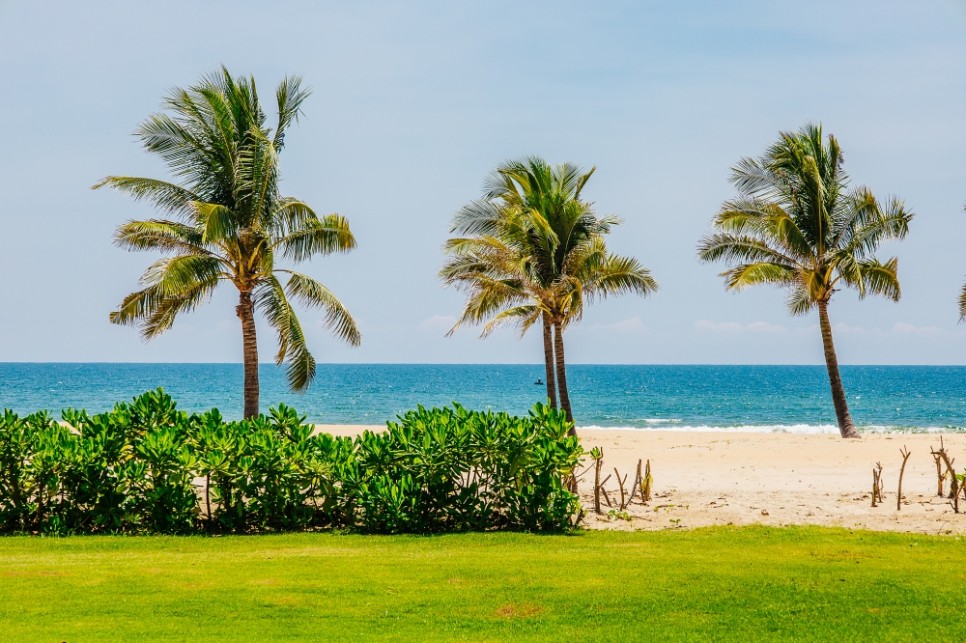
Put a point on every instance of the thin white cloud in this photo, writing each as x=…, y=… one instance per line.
x=736, y=328
x=765, y=327
x=904, y=328
x=841, y=328
x=632, y=326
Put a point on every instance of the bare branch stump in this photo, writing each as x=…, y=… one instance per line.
x=905, y=457
x=877, y=484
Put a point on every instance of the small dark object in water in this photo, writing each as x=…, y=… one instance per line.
x=539, y=382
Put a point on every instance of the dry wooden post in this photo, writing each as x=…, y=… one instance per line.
x=648, y=483
x=636, y=485
x=877, y=484
x=954, y=488
x=905, y=456
x=598, y=463
x=621, y=483
x=603, y=491
x=953, y=480
x=940, y=474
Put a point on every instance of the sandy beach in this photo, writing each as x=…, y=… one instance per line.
x=722, y=478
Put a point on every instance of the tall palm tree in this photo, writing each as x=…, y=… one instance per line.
x=533, y=251
x=962, y=303
x=230, y=223
x=796, y=224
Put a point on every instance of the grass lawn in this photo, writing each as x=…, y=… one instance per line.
x=722, y=583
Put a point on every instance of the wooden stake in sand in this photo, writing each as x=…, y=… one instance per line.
x=905, y=456
x=598, y=456
x=877, y=484
x=953, y=480
x=646, y=481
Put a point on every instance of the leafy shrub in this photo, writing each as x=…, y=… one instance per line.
x=266, y=473
x=26, y=474
x=147, y=467
x=455, y=469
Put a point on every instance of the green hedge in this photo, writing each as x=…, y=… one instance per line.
x=148, y=467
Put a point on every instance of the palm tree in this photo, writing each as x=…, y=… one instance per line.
x=795, y=224
x=962, y=303
x=533, y=251
x=230, y=223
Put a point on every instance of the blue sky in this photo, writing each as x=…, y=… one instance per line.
x=414, y=103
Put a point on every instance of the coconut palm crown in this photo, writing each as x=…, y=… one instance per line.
x=225, y=220
x=533, y=251
x=795, y=223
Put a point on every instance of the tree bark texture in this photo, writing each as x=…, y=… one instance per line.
x=558, y=346
x=846, y=428
x=548, y=362
x=246, y=313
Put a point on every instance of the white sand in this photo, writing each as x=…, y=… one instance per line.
x=719, y=478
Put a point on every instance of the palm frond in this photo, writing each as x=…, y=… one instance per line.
x=524, y=317
x=880, y=278
x=312, y=294
x=156, y=234
x=752, y=178
x=290, y=215
x=799, y=300
x=732, y=248
x=752, y=274
x=477, y=217
x=316, y=236
x=289, y=97
x=873, y=224
x=618, y=275
x=172, y=285
x=167, y=197
x=216, y=221
x=270, y=299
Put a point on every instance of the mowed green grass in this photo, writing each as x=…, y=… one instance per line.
x=722, y=584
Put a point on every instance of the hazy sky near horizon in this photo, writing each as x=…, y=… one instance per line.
x=415, y=102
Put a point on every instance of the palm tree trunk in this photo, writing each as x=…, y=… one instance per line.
x=562, y=375
x=846, y=428
x=548, y=361
x=246, y=313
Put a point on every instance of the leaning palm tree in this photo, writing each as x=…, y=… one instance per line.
x=796, y=224
x=962, y=303
x=230, y=223
x=533, y=251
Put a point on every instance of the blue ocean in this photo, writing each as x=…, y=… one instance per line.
x=725, y=398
